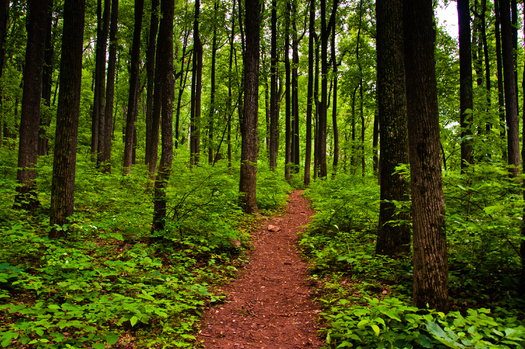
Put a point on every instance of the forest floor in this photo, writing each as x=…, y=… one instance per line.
x=270, y=304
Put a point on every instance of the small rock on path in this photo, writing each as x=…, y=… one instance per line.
x=269, y=306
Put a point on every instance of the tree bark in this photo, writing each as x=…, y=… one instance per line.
x=47, y=84
x=133, y=88
x=26, y=197
x=392, y=238
x=150, y=72
x=288, y=109
x=248, y=180
x=97, y=138
x=195, y=138
x=105, y=155
x=211, y=141
x=165, y=54
x=310, y=97
x=295, y=147
x=465, y=84
x=428, y=204
x=499, y=67
x=511, y=98
x=335, y=163
x=63, y=182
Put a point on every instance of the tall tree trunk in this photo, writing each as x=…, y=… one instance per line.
x=150, y=72
x=465, y=84
x=195, y=138
x=310, y=101
x=486, y=58
x=165, y=55
x=335, y=163
x=211, y=145
x=323, y=106
x=97, y=137
x=65, y=151
x=428, y=203
x=133, y=88
x=295, y=146
x=392, y=238
x=288, y=111
x=110, y=89
x=274, y=96
x=511, y=98
x=230, y=87
x=248, y=180
x=375, y=143
x=26, y=197
x=47, y=84
x=499, y=67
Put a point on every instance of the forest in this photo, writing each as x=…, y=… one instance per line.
x=142, y=141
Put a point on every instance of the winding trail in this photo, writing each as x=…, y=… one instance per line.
x=269, y=305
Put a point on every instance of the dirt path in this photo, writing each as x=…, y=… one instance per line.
x=269, y=305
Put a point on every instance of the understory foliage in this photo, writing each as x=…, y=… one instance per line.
x=112, y=281
x=367, y=297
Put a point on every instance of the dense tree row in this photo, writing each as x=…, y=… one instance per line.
x=292, y=83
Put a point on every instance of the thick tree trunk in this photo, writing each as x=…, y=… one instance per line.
x=310, y=98
x=150, y=72
x=65, y=152
x=392, y=238
x=105, y=155
x=428, y=204
x=165, y=54
x=133, y=88
x=511, y=98
x=465, y=83
x=248, y=180
x=26, y=197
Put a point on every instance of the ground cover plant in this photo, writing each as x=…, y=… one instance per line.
x=367, y=297
x=112, y=281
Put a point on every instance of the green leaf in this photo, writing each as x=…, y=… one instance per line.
x=112, y=338
x=376, y=329
x=99, y=346
x=133, y=320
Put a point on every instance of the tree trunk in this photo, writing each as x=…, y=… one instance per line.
x=274, y=97
x=133, y=88
x=65, y=152
x=97, y=138
x=392, y=238
x=295, y=92
x=335, y=163
x=26, y=197
x=465, y=84
x=323, y=106
x=310, y=100
x=511, y=98
x=288, y=111
x=248, y=180
x=47, y=84
x=150, y=72
x=165, y=54
x=195, y=138
x=428, y=204
x=499, y=67
x=211, y=145
x=105, y=157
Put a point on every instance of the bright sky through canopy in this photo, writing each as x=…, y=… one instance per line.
x=447, y=16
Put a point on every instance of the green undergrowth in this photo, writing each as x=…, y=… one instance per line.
x=366, y=298
x=112, y=281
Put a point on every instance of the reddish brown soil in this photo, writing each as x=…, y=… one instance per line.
x=269, y=305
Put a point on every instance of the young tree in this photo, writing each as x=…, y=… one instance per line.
x=47, y=84
x=26, y=197
x=465, y=88
x=248, y=180
x=151, y=134
x=288, y=109
x=165, y=59
x=274, y=96
x=392, y=238
x=428, y=203
x=65, y=152
x=133, y=88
